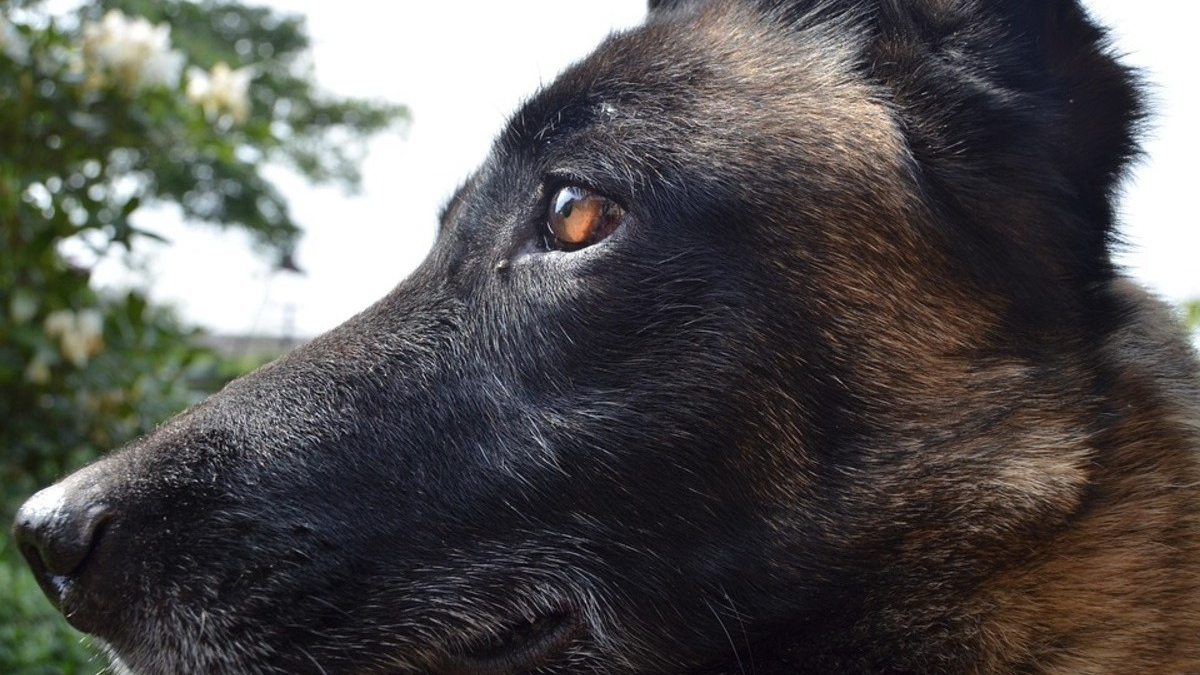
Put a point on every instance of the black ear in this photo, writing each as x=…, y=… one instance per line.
x=1022, y=124
x=1103, y=106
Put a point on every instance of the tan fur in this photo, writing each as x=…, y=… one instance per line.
x=1119, y=590
x=1109, y=583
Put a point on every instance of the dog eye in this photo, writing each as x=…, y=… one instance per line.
x=579, y=217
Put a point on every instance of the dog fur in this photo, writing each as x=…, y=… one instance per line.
x=855, y=387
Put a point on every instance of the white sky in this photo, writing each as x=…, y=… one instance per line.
x=462, y=67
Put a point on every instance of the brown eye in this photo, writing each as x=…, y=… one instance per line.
x=579, y=217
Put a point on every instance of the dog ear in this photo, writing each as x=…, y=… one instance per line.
x=1092, y=97
x=1103, y=106
x=1022, y=123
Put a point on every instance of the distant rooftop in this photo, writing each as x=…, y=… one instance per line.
x=251, y=345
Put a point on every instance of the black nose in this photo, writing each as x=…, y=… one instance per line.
x=56, y=531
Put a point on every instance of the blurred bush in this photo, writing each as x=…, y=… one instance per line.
x=105, y=109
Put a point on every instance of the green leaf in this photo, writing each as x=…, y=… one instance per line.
x=1191, y=314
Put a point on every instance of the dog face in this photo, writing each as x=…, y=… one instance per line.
x=765, y=318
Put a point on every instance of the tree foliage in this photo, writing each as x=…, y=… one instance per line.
x=107, y=109
x=1191, y=314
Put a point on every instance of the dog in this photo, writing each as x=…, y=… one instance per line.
x=776, y=337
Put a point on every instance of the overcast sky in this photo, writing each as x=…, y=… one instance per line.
x=462, y=67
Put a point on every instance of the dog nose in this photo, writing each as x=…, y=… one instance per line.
x=56, y=530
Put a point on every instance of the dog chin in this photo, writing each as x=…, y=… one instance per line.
x=118, y=666
x=150, y=661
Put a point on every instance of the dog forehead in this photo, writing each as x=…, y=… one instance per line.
x=719, y=77
x=720, y=50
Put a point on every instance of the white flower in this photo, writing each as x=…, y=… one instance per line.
x=221, y=91
x=37, y=371
x=59, y=322
x=78, y=333
x=12, y=43
x=135, y=53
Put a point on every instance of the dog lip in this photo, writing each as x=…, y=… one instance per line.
x=517, y=648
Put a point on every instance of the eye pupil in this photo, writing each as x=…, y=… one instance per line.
x=579, y=217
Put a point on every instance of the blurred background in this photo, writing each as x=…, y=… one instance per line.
x=187, y=189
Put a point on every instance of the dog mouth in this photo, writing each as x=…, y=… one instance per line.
x=517, y=647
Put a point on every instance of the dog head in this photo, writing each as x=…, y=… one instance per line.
x=736, y=308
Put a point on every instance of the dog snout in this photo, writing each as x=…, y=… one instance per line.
x=57, y=531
